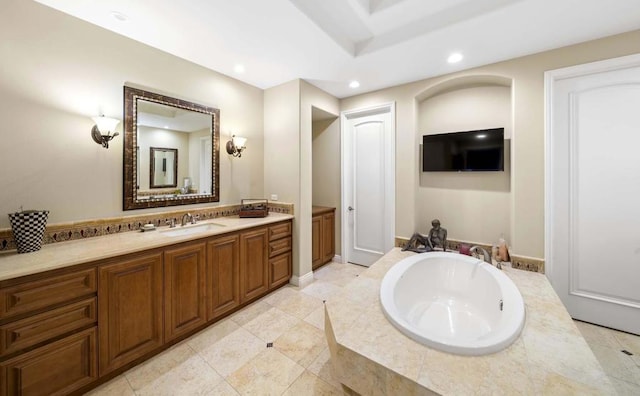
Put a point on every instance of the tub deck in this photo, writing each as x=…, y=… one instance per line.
x=372, y=357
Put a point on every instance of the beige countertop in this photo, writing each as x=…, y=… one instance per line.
x=318, y=210
x=65, y=254
x=373, y=357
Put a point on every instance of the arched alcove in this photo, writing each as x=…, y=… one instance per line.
x=473, y=206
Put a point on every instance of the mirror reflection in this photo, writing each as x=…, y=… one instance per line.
x=164, y=168
x=186, y=132
x=171, y=151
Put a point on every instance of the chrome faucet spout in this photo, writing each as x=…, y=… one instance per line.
x=485, y=254
x=186, y=218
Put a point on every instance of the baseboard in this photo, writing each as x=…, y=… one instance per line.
x=337, y=259
x=302, y=281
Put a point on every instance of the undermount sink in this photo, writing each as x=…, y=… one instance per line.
x=191, y=229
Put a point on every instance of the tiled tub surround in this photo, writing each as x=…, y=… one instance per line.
x=61, y=255
x=373, y=358
x=63, y=232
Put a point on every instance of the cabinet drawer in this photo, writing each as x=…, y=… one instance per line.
x=279, y=270
x=280, y=246
x=58, y=368
x=42, y=293
x=280, y=231
x=28, y=332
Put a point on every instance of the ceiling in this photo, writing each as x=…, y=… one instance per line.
x=329, y=43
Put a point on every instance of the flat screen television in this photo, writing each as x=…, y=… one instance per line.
x=469, y=151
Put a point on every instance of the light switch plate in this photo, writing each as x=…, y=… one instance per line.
x=274, y=197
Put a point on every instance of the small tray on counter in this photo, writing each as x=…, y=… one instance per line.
x=253, y=208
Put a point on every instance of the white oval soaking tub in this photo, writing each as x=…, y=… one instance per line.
x=452, y=302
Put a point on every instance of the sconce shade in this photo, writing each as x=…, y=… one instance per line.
x=101, y=131
x=239, y=142
x=106, y=125
x=236, y=145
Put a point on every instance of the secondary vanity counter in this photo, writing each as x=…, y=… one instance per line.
x=372, y=357
x=66, y=254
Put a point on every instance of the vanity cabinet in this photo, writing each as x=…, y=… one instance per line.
x=322, y=236
x=48, y=333
x=60, y=331
x=280, y=257
x=254, y=270
x=185, y=306
x=223, y=275
x=130, y=309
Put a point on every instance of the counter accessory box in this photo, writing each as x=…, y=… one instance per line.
x=28, y=229
x=253, y=208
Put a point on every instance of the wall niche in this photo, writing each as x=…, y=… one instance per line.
x=473, y=206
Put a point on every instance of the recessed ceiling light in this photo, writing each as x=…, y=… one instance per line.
x=482, y=136
x=166, y=127
x=455, y=57
x=119, y=16
x=354, y=84
x=239, y=69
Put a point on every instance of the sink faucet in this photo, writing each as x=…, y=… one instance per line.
x=485, y=254
x=186, y=218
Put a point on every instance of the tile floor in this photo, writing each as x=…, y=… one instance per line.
x=623, y=370
x=231, y=357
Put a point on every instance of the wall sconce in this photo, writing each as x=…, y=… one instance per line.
x=101, y=131
x=236, y=145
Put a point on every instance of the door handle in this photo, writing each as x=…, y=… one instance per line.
x=350, y=209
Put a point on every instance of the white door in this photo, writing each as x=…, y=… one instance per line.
x=368, y=167
x=205, y=165
x=593, y=190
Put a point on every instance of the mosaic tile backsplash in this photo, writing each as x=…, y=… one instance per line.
x=91, y=228
x=519, y=262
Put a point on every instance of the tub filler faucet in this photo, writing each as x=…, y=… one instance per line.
x=485, y=254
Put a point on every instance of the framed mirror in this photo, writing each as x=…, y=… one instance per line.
x=158, y=127
x=164, y=167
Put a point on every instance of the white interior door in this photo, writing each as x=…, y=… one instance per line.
x=593, y=190
x=205, y=165
x=368, y=137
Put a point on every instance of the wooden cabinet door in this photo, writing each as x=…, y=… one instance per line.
x=254, y=270
x=58, y=368
x=316, y=242
x=129, y=310
x=280, y=270
x=328, y=237
x=223, y=275
x=184, y=289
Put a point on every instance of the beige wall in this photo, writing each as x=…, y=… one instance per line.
x=288, y=156
x=473, y=206
x=327, y=170
x=527, y=156
x=310, y=97
x=57, y=72
x=282, y=153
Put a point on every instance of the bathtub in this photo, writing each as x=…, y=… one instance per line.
x=453, y=303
